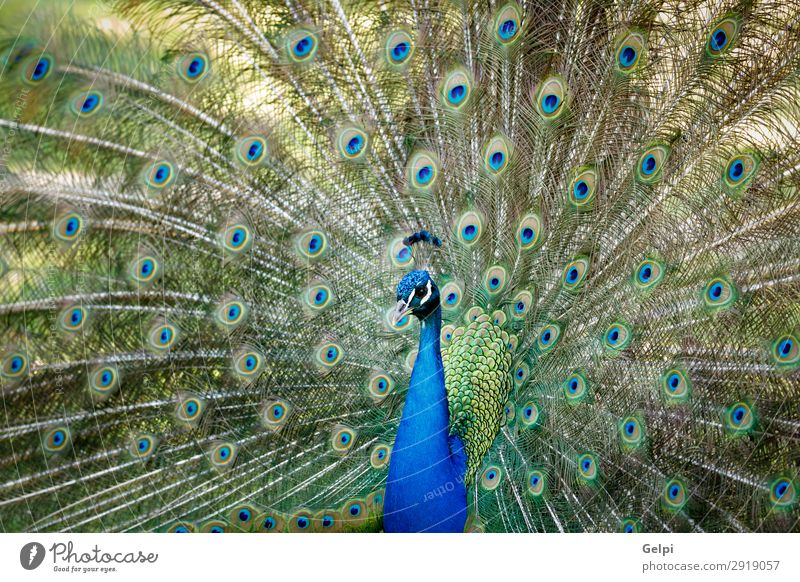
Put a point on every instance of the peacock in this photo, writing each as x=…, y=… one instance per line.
x=400, y=265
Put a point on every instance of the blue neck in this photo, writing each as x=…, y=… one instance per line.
x=425, y=491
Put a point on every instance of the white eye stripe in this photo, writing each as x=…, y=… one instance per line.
x=411, y=297
x=428, y=296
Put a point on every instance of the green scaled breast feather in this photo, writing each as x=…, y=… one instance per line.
x=477, y=366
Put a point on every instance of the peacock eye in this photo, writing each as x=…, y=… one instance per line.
x=420, y=291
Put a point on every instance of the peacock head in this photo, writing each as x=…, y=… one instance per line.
x=417, y=294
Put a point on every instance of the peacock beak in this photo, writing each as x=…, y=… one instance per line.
x=400, y=311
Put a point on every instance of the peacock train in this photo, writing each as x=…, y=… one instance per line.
x=400, y=265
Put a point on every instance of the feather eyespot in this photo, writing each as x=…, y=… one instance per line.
x=549, y=98
x=223, y=455
x=617, y=337
x=783, y=492
x=583, y=187
x=495, y=279
x=142, y=446
x=352, y=143
x=423, y=171
x=588, y=469
x=399, y=47
x=56, y=440
x=675, y=386
x=231, y=313
x=631, y=432
x=68, y=227
x=103, y=381
x=38, y=69
x=786, y=351
x=163, y=336
x=380, y=385
x=574, y=275
x=649, y=169
x=73, y=319
x=328, y=355
x=159, y=175
x=576, y=388
x=723, y=36
x=530, y=232
x=469, y=228
x=379, y=456
x=508, y=24
x=648, y=274
x=491, y=478
x=86, y=104
x=739, y=418
x=342, y=439
x=456, y=89
x=14, y=365
x=145, y=269
x=629, y=52
x=496, y=155
x=529, y=415
x=248, y=363
x=193, y=67
x=302, y=45
x=674, y=495
x=275, y=414
x=251, y=150
x=548, y=337
x=718, y=294
x=190, y=409
x=537, y=483
x=312, y=244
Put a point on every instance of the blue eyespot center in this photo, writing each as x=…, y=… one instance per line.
x=59, y=437
x=674, y=490
x=451, y=297
x=142, y=445
x=719, y=39
x=613, y=335
x=254, y=151
x=244, y=515
x=16, y=364
x=527, y=235
x=715, y=291
x=736, y=171
x=354, y=145
x=89, y=103
x=224, y=453
x=627, y=56
x=573, y=385
x=546, y=337
x=781, y=488
x=738, y=414
x=400, y=51
x=191, y=408
x=572, y=275
x=40, y=69
x=470, y=231
x=785, y=347
x=494, y=282
x=508, y=28
x=302, y=522
x=628, y=528
x=645, y=273
x=355, y=509
x=424, y=174
x=195, y=68
x=238, y=236
x=269, y=523
x=649, y=164
x=456, y=94
x=630, y=427
x=105, y=378
x=581, y=189
x=303, y=46
x=550, y=103
x=496, y=160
